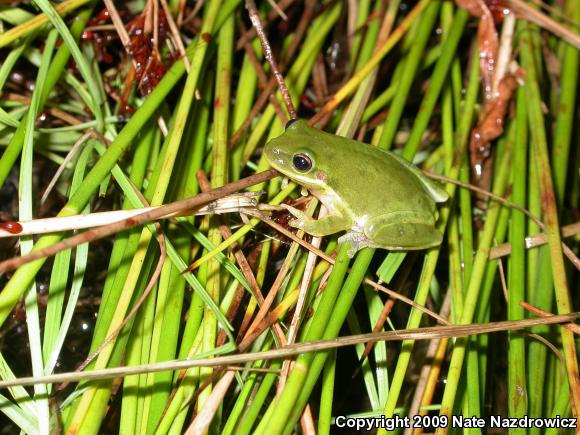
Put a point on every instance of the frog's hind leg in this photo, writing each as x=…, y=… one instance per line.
x=404, y=232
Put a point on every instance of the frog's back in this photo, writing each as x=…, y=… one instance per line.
x=376, y=179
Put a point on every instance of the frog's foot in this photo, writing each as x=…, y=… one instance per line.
x=300, y=216
x=292, y=210
x=356, y=240
x=318, y=227
x=296, y=223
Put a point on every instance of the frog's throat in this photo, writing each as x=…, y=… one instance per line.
x=329, y=198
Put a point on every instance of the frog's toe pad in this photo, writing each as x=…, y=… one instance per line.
x=356, y=240
x=296, y=223
x=289, y=208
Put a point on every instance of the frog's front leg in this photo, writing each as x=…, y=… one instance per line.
x=317, y=227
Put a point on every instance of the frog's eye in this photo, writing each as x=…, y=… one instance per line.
x=302, y=162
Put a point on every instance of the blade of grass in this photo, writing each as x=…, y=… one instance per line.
x=219, y=177
x=57, y=67
x=24, y=421
x=25, y=274
x=26, y=212
x=81, y=62
x=327, y=395
x=54, y=338
x=38, y=21
x=353, y=114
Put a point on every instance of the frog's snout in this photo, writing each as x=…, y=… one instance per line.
x=275, y=155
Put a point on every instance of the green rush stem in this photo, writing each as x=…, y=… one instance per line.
x=440, y=74
x=566, y=108
x=412, y=62
x=472, y=295
x=461, y=138
x=549, y=206
x=517, y=391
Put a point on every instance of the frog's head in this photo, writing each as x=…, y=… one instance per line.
x=294, y=154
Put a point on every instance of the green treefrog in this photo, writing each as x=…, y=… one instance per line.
x=380, y=199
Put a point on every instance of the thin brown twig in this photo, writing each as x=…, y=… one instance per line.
x=256, y=22
x=175, y=34
x=75, y=148
x=193, y=14
x=267, y=92
x=528, y=13
x=118, y=23
x=533, y=241
x=283, y=5
x=101, y=232
x=309, y=8
x=539, y=312
x=428, y=333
